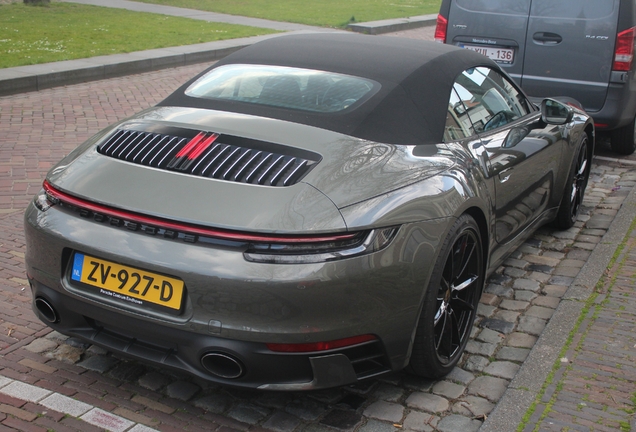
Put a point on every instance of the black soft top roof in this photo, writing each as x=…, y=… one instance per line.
x=416, y=78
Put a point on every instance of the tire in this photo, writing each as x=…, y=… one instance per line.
x=574, y=188
x=450, y=302
x=624, y=139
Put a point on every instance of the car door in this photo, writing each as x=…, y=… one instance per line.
x=570, y=49
x=495, y=28
x=520, y=152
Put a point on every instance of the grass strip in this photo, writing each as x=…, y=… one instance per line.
x=66, y=31
x=323, y=13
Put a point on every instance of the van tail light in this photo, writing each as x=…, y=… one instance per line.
x=624, y=54
x=440, y=29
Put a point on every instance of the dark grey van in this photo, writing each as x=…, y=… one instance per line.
x=578, y=48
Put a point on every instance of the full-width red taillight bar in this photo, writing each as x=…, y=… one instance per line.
x=190, y=229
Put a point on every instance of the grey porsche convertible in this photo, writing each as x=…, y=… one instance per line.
x=309, y=212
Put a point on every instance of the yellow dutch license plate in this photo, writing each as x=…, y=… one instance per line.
x=127, y=284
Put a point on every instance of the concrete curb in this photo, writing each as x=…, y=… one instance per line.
x=527, y=383
x=393, y=25
x=69, y=406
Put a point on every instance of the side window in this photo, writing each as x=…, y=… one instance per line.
x=458, y=125
x=490, y=100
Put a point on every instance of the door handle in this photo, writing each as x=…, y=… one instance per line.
x=547, y=38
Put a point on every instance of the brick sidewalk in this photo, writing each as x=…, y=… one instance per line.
x=594, y=385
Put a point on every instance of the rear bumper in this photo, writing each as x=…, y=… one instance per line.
x=243, y=364
x=233, y=307
x=619, y=108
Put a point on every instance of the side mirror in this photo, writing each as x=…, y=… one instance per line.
x=515, y=136
x=555, y=112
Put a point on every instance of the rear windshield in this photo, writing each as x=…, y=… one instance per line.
x=284, y=87
x=511, y=7
x=573, y=9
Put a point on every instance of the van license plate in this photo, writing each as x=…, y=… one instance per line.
x=500, y=55
x=127, y=284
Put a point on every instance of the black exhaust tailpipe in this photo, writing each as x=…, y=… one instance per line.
x=222, y=365
x=46, y=310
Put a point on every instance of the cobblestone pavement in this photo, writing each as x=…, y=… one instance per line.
x=87, y=389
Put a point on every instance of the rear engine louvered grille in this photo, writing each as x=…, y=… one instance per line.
x=205, y=155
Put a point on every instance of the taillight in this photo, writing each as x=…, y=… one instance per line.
x=51, y=196
x=321, y=251
x=261, y=248
x=440, y=29
x=624, y=53
x=45, y=200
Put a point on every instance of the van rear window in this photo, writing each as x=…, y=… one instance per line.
x=506, y=7
x=573, y=9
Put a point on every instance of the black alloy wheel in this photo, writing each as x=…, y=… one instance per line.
x=455, y=298
x=451, y=302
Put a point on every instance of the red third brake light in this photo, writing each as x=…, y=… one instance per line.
x=440, y=29
x=624, y=54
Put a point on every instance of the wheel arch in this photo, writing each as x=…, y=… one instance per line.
x=591, y=140
x=421, y=339
x=480, y=218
